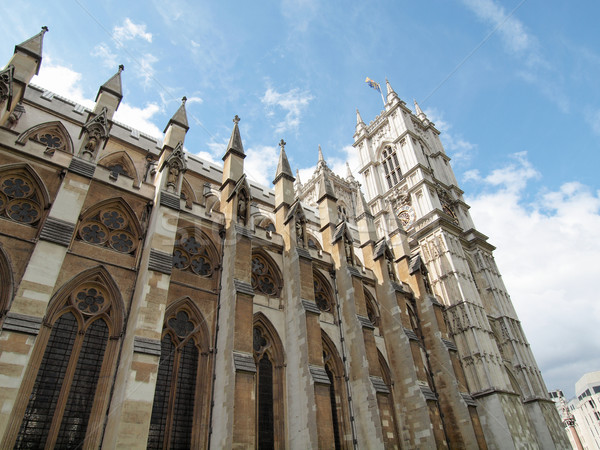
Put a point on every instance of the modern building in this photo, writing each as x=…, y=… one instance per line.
x=584, y=411
x=151, y=299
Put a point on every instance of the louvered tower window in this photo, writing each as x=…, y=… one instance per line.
x=391, y=167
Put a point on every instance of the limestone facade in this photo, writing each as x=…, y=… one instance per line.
x=151, y=299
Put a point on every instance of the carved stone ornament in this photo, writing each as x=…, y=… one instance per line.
x=176, y=166
x=300, y=225
x=447, y=204
x=349, y=250
x=96, y=132
x=6, y=84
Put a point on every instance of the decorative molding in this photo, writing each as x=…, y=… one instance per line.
x=319, y=375
x=160, y=262
x=303, y=253
x=169, y=200
x=242, y=287
x=82, y=167
x=365, y=322
x=244, y=362
x=246, y=232
x=428, y=393
x=468, y=399
x=57, y=231
x=310, y=307
x=450, y=345
x=22, y=323
x=379, y=385
x=411, y=334
x=146, y=345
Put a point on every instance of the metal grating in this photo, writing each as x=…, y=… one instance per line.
x=83, y=387
x=43, y=398
x=183, y=411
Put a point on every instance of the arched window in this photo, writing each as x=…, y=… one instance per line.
x=385, y=402
x=313, y=242
x=23, y=197
x=342, y=211
x=266, y=278
x=194, y=252
x=338, y=397
x=391, y=166
x=53, y=135
x=187, y=193
x=66, y=405
x=269, y=358
x=6, y=283
x=323, y=295
x=372, y=308
x=111, y=224
x=180, y=397
x=120, y=163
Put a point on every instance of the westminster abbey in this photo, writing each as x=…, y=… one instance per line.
x=151, y=299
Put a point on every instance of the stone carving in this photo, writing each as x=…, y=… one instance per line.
x=96, y=132
x=176, y=166
x=242, y=208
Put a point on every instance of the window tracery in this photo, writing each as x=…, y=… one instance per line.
x=53, y=135
x=391, y=166
x=265, y=278
x=84, y=322
x=372, y=309
x=21, y=199
x=193, y=252
x=111, y=226
x=176, y=406
x=323, y=297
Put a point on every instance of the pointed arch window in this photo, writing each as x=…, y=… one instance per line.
x=391, y=166
x=179, y=397
x=120, y=163
x=266, y=278
x=67, y=403
x=6, y=281
x=22, y=197
x=372, y=309
x=337, y=391
x=268, y=355
x=194, y=253
x=53, y=135
x=111, y=224
x=323, y=296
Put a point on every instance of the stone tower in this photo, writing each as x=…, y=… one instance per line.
x=408, y=177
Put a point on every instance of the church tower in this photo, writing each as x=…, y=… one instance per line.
x=407, y=176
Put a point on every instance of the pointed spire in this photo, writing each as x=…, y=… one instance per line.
x=33, y=47
x=362, y=207
x=298, y=177
x=113, y=86
x=391, y=94
x=180, y=117
x=283, y=167
x=420, y=114
x=359, y=120
x=349, y=175
x=297, y=183
x=235, y=141
x=321, y=162
x=325, y=188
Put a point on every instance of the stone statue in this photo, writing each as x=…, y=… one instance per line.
x=348, y=249
x=242, y=209
x=300, y=232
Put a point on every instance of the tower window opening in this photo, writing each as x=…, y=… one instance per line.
x=393, y=174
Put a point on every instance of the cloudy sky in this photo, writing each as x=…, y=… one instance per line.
x=513, y=86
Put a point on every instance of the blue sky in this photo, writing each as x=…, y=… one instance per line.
x=513, y=86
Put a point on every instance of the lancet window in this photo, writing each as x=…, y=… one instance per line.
x=178, y=397
x=72, y=380
x=194, y=252
x=265, y=279
x=323, y=297
x=372, y=309
x=391, y=166
x=268, y=355
x=337, y=391
x=21, y=197
x=112, y=225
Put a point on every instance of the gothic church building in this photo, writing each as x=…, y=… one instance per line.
x=150, y=299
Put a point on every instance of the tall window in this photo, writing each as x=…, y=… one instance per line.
x=177, y=397
x=391, y=167
x=268, y=355
x=67, y=404
x=323, y=297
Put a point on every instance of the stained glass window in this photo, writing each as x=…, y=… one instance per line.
x=265, y=279
x=191, y=253
x=20, y=199
x=109, y=227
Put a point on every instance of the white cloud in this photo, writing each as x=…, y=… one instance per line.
x=139, y=118
x=147, y=71
x=191, y=100
x=103, y=51
x=63, y=81
x=547, y=252
x=129, y=31
x=592, y=117
x=292, y=102
x=261, y=163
